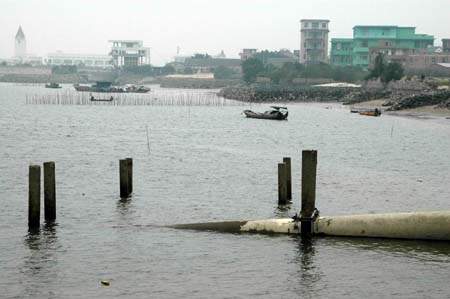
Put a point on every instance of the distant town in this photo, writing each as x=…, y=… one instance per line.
x=416, y=52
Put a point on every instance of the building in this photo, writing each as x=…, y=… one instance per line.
x=341, y=51
x=247, y=53
x=208, y=65
x=446, y=44
x=129, y=53
x=384, y=38
x=314, y=41
x=418, y=60
x=20, y=49
x=88, y=60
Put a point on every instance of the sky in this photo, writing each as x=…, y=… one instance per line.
x=201, y=26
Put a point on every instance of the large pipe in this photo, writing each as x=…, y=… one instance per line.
x=417, y=226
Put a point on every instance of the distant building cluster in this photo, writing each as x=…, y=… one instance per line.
x=122, y=53
x=396, y=43
x=401, y=44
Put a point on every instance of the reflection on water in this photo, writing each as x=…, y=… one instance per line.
x=417, y=249
x=310, y=275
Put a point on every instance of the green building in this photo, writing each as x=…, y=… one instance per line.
x=342, y=51
x=367, y=37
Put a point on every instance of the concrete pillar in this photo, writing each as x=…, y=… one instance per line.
x=287, y=161
x=130, y=175
x=49, y=191
x=34, y=196
x=282, y=184
x=309, y=170
x=124, y=185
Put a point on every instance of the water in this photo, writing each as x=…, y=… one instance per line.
x=209, y=163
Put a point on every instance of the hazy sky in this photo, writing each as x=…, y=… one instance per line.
x=85, y=26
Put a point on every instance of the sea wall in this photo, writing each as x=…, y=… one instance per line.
x=275, y=93
x=193, y=83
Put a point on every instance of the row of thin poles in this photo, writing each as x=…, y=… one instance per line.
x=153, y=99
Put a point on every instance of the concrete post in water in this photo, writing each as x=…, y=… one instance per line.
x=49, y=191
x=287, y=161
x=282, y=184
x=309, y=170
x=34, y=196
x=124, y=173
x=130, y=175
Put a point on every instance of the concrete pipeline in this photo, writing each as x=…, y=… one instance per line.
x=415, y=226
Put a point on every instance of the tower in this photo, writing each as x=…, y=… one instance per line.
x=20, y=50
x=314, y=41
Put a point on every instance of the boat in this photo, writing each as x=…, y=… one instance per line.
x=52, y=85
x=375, y=112
x=106, y=86
x=101, y=100
x=277, y=113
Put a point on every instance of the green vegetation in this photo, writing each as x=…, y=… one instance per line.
x=201, y=56
x=64, y=69
x=222, y=72
x=253, y=68
x=387, y=72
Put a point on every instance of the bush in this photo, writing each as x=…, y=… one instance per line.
x=222, y=72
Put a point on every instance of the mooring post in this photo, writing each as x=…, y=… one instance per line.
x=309, y=170
x=124, y=185
x=282, y=186
x=34, y=196
x=287, y=161
x=130, y=175
x=49, y=191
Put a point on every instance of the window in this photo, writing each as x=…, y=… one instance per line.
x=306, y=25
x=315, y=25
x=324, y=25
x=364, y=44
x=339, y=46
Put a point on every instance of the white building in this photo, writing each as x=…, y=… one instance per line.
x=88, y=60
x=314, y=41
x=129, y=53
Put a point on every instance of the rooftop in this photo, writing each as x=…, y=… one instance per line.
x=314, y=20
x=20, y=33
x=383, y=26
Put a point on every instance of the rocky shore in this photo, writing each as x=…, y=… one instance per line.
x=400, y=95
x=275, y=93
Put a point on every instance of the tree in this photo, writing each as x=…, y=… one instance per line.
x=392, y=72
x=201, y=56
x=378, y=68
x=386, y=72
x=222, y=72
x=251, y=68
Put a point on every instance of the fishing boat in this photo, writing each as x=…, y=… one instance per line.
x=105, y=86
x=277, y=113
x=101, y=100
x=375, y=112
x=52, y=85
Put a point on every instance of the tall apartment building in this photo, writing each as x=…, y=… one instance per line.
x=382, y=38
x=314, y=41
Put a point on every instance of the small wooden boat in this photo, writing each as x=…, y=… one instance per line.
x=277, y=113
x=375, y=112
x=52, y=85
x=101, y=100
